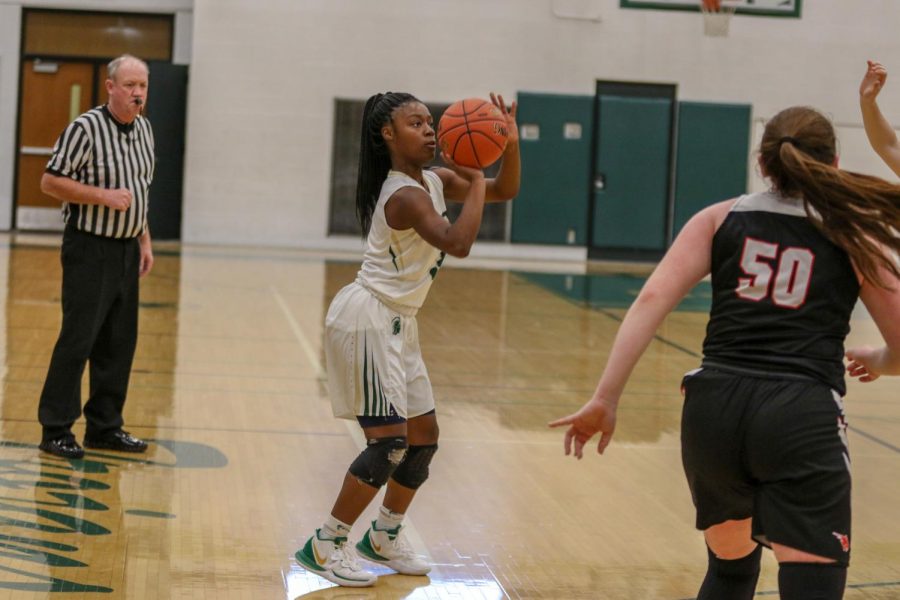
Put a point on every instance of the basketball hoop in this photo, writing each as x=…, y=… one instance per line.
x=716, y=21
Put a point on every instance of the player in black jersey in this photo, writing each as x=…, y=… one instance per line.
x=763, y=431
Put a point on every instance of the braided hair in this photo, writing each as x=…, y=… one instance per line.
x=374, y=156
x=859, y=213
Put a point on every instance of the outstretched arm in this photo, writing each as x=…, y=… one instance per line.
x=684, y=265
x=881, y=135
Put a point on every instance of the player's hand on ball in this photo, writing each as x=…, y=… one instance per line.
x=467, y=173
x=509, y=112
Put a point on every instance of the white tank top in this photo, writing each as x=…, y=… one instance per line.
x=399, y=266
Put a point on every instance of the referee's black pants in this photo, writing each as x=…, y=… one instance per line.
x=99, y=325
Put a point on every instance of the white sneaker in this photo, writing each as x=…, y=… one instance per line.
x=389, y=548
x=333, y=560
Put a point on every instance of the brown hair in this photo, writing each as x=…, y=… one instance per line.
x=859, y=213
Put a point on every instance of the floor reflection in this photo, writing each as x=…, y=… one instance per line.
x=612, y=289
x=440, y=583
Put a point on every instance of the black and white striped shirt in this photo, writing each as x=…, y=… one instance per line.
x=97, y=150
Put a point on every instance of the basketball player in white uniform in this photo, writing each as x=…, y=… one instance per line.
x=375, y=368
x=376, y=374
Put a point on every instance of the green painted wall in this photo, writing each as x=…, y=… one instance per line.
x=631, y=210
x=713, y=148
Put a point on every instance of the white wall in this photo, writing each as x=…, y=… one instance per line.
x=265, y=75
x=183, y=37
x=10, y=27
x=10, y=42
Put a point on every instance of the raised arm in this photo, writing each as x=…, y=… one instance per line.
x=881, y=134
x=683, y=266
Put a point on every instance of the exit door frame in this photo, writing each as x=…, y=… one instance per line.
x=632, y=89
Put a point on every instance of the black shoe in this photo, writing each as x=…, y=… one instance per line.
x=122, y=441
x=63, y=447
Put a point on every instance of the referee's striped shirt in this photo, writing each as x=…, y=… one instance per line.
x=97, y=150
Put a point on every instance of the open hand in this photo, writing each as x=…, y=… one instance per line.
x=509, y=113
x=592, y=417
x=872, y=81
x=468, y=173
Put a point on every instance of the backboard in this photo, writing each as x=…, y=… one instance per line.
x=763, y=8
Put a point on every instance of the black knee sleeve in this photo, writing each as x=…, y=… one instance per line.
x=381, y=457
x=811, y=581
x=732, y=579
x=413, y=471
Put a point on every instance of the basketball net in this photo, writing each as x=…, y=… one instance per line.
x=716, y=21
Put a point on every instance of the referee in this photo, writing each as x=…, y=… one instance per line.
x=101, y=169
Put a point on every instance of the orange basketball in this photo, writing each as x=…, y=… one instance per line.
x=472, y=132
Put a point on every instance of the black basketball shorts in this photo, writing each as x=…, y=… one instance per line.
x=771, y=449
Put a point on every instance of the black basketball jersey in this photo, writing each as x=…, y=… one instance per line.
x=782, y=293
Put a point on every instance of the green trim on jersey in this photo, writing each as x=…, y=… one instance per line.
x=440, y=261
x=393, y=258
x=375, y=400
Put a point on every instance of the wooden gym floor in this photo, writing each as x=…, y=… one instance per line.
x=245, y=457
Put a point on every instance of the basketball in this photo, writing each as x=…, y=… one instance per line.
x=473, y=132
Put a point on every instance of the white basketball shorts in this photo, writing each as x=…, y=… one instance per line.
x=373, y=359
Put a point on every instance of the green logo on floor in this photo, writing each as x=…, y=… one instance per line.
x=55, y=512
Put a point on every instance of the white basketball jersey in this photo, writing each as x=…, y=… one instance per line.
x=399, y=266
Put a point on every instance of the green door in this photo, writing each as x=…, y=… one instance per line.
x=552, y=205
x=631, y=180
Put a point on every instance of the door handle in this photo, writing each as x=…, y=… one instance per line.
x=36, y=151
x=600, y=182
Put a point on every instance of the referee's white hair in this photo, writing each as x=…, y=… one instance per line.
x=113, y=67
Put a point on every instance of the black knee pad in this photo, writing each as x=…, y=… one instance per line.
x=732, y=579
x=413, y=471
x=381, y=457
x=811, y=581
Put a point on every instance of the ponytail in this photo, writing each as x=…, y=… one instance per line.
x=374, y=157
x=859, y=213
